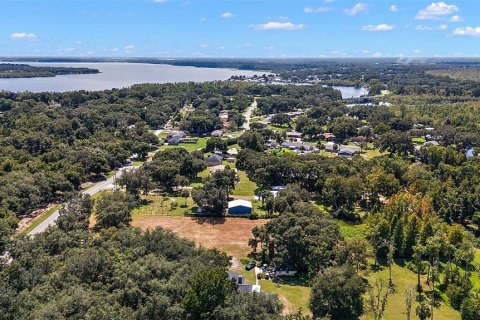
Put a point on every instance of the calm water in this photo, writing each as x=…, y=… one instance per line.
x=117, y=75
x=351, y=92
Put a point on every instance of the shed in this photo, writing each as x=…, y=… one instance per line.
x=348, y=151
x=214, y=160
x=239, y=207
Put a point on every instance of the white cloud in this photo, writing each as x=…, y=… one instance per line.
x=221, y=48
x=328, y=1
x=436, y=11
x=90, y=52
x=114, y=49
x=23, y=35
x=159, y=1
x=227, y=15
x=317, y=9
x=272, y=25
x=456, y=19
x=379, y=27
x=129, y=47
x=203, y=19
x=441, y=27
x=377, y=54
x=365, y=51
x=356, y=9
x=393, y=8
x=204, y=45
x=416, y=51
x=467, y=31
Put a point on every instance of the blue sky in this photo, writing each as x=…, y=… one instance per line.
x=239, y=28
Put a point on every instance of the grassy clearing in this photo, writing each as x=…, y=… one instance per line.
x=418, y=140
x=349, y=230
x=42, y=218
x=245, y=187
x=403, y=279
x=158, y=205
x=201, y=143
x=371, y=153
x=292, y=292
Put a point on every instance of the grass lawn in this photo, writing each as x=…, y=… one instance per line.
x=156, y=205
x=371, y=153
x=349, y=230
x=162, y=135
x=402, y=279
x=201, y=143
x=42, y=218
x=292, y=292
x=418, y=140
x=245, y=187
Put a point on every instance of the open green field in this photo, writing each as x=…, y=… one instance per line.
x=245, y=187
x=418, y=140
x=201, y=143
x=403, y=279
x=158, y=205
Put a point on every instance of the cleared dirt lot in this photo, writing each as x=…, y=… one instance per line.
x=226, y=234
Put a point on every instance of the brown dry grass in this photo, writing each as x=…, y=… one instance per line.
x=226, y=234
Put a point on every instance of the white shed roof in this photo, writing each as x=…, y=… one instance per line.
x=239, y=202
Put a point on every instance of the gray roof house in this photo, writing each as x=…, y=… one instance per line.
x=173, y=133
x=217, y=133
x=214, y=160
x=242, y=286
x=348, y=151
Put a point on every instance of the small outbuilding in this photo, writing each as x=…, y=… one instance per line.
x=240, y=206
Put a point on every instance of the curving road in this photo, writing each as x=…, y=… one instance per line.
x=96, y=188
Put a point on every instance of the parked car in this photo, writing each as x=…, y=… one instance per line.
x=250, y=265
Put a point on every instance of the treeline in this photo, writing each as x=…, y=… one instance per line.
x=9, y=70
x=70, y=272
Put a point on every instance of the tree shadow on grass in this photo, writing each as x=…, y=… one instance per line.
x=209, y=220
x=143, y=202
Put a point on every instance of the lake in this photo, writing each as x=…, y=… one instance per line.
x=351, y=92
x=123, y=74
x=117, y=75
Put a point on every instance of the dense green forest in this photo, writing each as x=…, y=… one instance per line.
x=8, y=70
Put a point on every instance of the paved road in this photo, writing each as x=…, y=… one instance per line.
x=248, y=115
x=96, y=188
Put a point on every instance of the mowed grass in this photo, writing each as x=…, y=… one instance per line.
x=418, y=140
x=158, y=205
x=42, y=218
x=201, y=143
x=403, y=279
x=245, y=187
x=293, y=292
x=350, y=230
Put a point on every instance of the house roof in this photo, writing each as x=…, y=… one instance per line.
x=232, y=151
x=239, y=202
x=215, y=157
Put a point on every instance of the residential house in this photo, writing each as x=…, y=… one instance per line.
x=241, y=285
x=294, y=134
x=331, y=146
x=214, y=160
x=348, y=151
x=328, y=136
